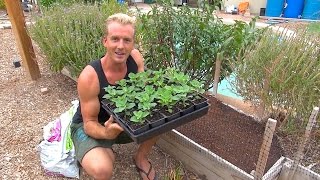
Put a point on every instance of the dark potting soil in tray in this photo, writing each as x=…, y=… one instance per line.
x=231, y=135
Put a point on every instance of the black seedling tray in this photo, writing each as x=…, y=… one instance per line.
x=155, y=131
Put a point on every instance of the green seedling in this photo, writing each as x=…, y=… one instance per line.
x=111, y=92
x=196, y=86
x=177, y=77
x=166, y=98
x=149, y=90
x=182, y=93
x=146, y=101
x=121, y=83
x=122, y=105
x=139, y=116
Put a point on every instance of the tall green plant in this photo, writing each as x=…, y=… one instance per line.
x=190, y=39
x=71, y=36
x=281, y=72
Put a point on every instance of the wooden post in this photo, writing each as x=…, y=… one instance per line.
x=305, y=139
x=265, y=148
x=217, y=74
x=17, y=20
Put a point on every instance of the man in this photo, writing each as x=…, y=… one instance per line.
x=93, y=131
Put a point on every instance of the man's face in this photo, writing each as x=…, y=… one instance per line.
x=119, y=41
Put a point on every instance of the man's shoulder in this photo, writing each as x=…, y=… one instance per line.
x=87, y=74
x=88, y=82
x=94, y=61
x=137, y=57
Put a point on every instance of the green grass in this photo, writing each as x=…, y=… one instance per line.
x=314, y=27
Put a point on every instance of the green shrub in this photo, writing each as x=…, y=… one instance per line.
x=314, y=28
x=281, y=72
x=49, y=3
x=71, y=36
x=190, y=39
x=2, y=5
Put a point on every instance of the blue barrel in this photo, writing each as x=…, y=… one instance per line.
x=294, y=8
x=121, y=1
x=274, y=8
x=311, y=10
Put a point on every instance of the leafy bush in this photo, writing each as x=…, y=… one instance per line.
x=71, y=36
x=2, y=5
x=190, y=39
x=281, y=72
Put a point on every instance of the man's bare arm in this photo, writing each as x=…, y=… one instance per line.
x=138, y=59
x=88, y=90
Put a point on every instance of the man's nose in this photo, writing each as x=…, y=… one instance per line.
x=121, y=44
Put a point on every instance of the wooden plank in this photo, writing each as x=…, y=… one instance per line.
x=306, y=137
x=191, y=164
x=199, y=159
x=17, y=20
x=274, y=171
x=67, y=73
x=217, y=74
x=301, y=173
x=265, y=148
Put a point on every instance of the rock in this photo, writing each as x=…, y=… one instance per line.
x=16, y=63
x=44, y=90
x=7, y=158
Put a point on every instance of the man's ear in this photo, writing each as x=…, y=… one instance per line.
x=104, y=41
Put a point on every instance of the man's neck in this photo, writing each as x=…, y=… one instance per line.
x=110, y=66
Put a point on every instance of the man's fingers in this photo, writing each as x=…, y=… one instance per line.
x=119, y=127
x=109, y=121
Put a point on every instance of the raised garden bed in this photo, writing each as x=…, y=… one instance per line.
x=153, y=102
x=232, y=135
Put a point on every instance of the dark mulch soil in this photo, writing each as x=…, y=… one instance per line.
x=231, y=135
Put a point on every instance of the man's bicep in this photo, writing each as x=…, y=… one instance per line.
x=88, y=91
x=90, y=109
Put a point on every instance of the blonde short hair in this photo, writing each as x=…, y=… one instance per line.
x=120, y=18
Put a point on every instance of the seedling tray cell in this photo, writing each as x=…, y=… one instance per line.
x=162, y=128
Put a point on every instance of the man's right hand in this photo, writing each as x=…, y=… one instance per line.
x=112, y=129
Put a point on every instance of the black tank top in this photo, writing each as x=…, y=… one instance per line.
x=96, y=64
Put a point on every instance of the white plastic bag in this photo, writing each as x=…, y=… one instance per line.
x=56, y=150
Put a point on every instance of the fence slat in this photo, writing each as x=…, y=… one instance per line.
x=217, y=75
x=299, y=155
x=265, y=148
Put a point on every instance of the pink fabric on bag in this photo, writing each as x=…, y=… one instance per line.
x=56, y=132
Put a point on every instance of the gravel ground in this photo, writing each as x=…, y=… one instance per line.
x=25, y=110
